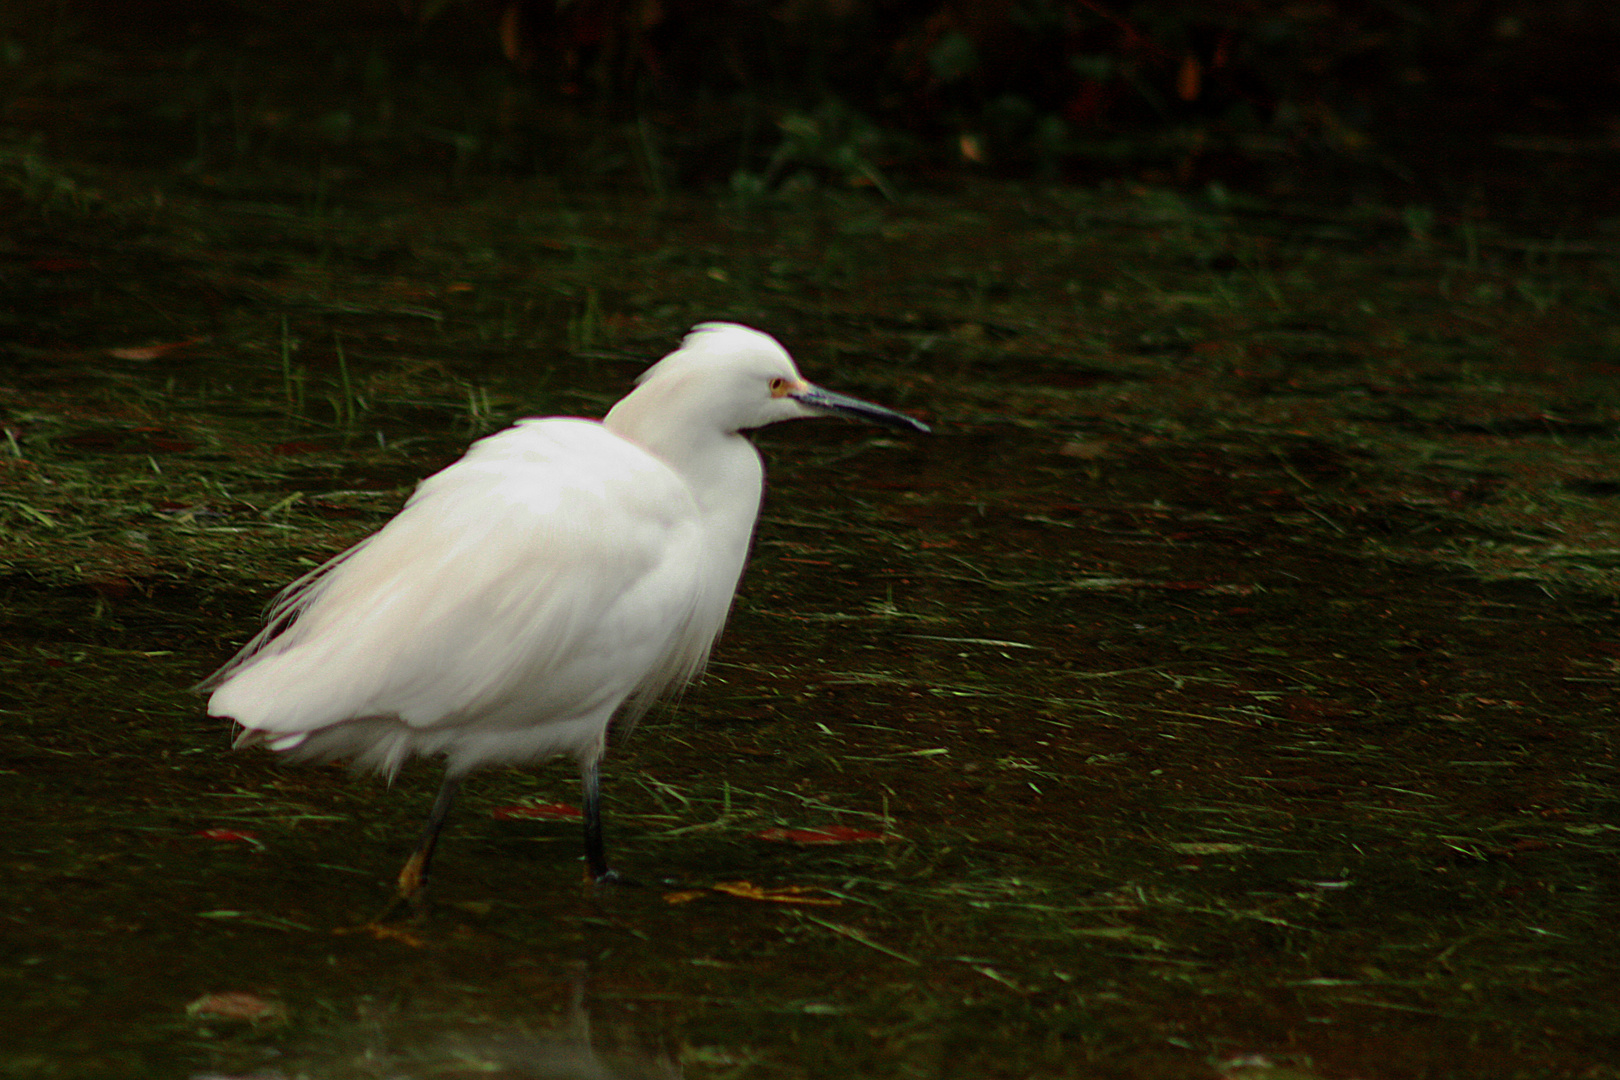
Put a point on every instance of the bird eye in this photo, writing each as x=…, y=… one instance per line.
x=781, y=387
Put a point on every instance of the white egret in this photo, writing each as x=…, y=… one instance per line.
x=562, y=573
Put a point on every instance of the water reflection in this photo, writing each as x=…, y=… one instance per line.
x=403, y=1047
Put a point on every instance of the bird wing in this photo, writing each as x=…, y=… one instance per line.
x=552, y=572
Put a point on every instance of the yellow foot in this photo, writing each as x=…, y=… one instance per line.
x=407, y=905
x=410, y=878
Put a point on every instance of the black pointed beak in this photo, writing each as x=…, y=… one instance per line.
x=814, y=397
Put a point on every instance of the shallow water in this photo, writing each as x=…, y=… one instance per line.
x=1224, y=690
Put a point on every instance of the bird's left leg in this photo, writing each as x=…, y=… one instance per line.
x=413, y=875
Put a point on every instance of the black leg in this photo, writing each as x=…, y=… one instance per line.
x=595, y=855
x=413, y=876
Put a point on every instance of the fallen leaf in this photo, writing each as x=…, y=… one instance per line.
x=383, y=932
x=237, y=1005
x=788, y=894
x=1200, y=848
x=546, y=811
x=300, y=446
x=685, y=896
x=832, y=834
x=149, y=352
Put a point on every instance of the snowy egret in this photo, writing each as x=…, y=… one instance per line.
x=562, y=573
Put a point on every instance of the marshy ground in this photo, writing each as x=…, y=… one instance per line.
x=1226, y=688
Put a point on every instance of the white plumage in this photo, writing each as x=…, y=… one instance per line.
x=563, y=571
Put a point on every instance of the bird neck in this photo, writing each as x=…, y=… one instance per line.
x=722, y=469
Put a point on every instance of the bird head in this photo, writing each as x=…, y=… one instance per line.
x=735, y=378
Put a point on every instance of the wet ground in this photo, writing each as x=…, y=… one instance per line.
x=1225, y=689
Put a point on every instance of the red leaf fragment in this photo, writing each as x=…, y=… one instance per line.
x=236, y=1005
x=149, y=352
